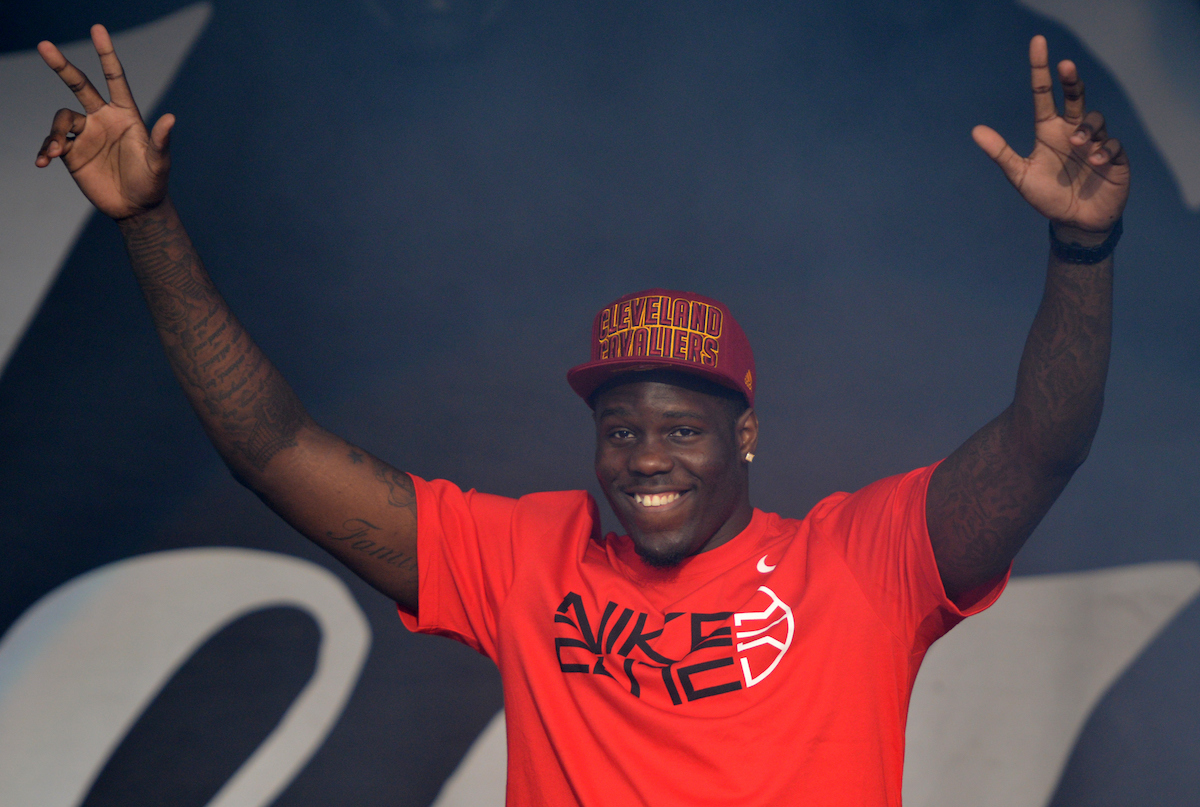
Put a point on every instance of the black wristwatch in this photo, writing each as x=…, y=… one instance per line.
x=1076, y=253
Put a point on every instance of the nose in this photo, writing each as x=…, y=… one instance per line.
x=649, y=457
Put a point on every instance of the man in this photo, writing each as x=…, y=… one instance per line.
x=716, y=654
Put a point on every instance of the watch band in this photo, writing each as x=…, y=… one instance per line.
x=1076, y=253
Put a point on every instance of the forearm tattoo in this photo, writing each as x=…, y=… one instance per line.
x=991, y=493
x=245, y=403
x=1060, y=390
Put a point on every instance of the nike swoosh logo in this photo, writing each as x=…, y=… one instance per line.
x=763, y=567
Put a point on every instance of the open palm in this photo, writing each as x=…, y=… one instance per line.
x=1076, y=174
x=119, y=165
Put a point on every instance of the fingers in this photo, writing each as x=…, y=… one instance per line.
x=995, y=147
x=1107, y=151
x=118, y=88
x=56, y=144
x=1090, y=137
x=160, y=135
x=1073, y=105
x=72, y=76
x=1090, y=128
x=159, y=156
x=1110, y=152
x=1092, y=142
x=1039, y=70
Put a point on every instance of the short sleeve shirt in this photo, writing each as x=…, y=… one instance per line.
x=772, y=670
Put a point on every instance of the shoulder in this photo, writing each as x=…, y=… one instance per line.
x=559, y=510
x=545, y=500
x=440, y=498
x=900, y=492
x=557, y=500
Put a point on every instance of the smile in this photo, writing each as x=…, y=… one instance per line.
x=655, y=499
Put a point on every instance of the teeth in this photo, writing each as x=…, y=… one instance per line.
x=655, y=499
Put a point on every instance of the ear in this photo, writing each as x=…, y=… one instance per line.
x=745, y=432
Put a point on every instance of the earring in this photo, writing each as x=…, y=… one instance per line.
x=749, y=457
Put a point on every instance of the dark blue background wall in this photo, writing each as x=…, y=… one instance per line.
x=417, y=214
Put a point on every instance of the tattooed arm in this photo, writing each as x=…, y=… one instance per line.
x=354, y=505
x=986, y=498
x=357, y=507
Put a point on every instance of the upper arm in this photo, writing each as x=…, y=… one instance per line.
x=984, y=501
x=354, y=505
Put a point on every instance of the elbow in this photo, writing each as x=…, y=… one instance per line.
x=1078, y=446
x=238, y=477
x=1070, y=464
x=246, y=481
x=1059, y=448
x=244, y=474
x=247, y=484
x=1064, y=459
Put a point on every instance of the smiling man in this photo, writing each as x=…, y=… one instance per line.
x=673, y=434
x=671, y=456
x=715, y=654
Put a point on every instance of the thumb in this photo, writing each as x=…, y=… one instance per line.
x=160, y=135
x=994, y=146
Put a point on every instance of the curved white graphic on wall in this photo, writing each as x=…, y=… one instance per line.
x=41, y=210
x=479, y=780
x=1152, y=48
x=1001, y=699
x=81, y=665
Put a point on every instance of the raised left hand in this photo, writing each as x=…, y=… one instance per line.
x=1076, y=175
x=118, y=164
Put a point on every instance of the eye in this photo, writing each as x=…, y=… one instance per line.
x=620, y=434
x=684, y=431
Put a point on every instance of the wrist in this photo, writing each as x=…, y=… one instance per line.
x=1070, y=234
x=150, y=215
x=1074, y=245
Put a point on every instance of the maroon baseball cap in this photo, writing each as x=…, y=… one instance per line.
x=659, y=329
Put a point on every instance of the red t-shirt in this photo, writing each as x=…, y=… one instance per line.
x=773, y=670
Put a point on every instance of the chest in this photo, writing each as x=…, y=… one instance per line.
x=787, y=622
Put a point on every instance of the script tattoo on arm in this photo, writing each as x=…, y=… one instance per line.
x=356, y=532
x=246, y=406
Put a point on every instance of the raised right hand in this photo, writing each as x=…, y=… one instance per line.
x=119, y=165
x=1076, y=176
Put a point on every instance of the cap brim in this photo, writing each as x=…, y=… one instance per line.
x=585, y=379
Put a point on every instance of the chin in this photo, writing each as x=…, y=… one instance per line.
x=662, y=557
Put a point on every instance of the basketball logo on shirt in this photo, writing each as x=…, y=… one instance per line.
x=763, y=637
x=686, y=656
